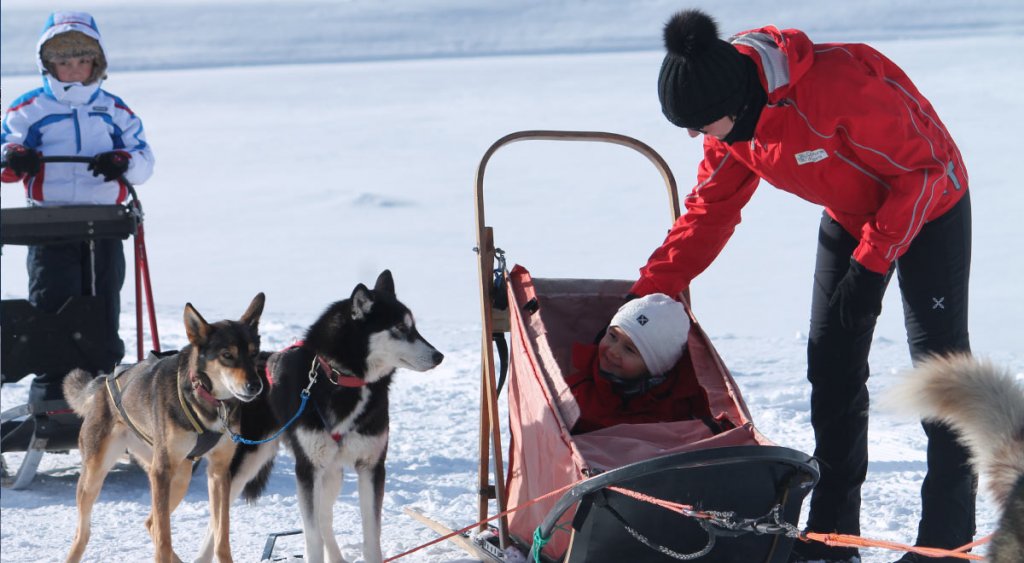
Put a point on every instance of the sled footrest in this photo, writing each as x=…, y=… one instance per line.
x=268, y=548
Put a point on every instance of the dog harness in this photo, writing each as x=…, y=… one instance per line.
x=207, y=438
x=333, y=375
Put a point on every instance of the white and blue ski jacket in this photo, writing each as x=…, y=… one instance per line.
x=74, y=119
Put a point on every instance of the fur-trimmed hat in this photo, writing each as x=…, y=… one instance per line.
x=658, y=326
x=703, y=78
x=71, y=44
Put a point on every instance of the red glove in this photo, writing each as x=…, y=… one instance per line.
x=111, y=165
x=23, y=160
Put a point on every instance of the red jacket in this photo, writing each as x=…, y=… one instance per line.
x=844, y=128
x=680, y=397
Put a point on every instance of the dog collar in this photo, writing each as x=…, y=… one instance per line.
x=333, y=375
x=338, y=378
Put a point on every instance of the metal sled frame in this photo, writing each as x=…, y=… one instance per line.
x=48, y=433
x=496, y=321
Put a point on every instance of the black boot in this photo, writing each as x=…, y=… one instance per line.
x=808, y=552
x=45, y=388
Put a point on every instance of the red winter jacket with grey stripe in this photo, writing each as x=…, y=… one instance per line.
x=844, y=128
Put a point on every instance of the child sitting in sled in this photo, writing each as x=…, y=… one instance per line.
x=637, y=372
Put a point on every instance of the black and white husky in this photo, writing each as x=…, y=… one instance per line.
x=346, y=363
x=985, y=406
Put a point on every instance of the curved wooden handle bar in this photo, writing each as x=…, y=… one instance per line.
x=490, y=431
x=588, y=136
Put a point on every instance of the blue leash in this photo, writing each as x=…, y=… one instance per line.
x=240, y=440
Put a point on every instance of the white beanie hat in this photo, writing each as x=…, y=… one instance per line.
x=658, y=326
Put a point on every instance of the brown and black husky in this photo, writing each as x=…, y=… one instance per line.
x=167, y=412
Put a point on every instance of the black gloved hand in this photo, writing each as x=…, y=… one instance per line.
x=858, y=297
x=23, y=160
x=111, y=165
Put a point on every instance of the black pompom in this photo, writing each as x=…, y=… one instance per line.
x=690, y=32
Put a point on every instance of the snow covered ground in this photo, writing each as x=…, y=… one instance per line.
x=304, y=146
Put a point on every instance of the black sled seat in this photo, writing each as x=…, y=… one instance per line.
x=752, y=495
x=33, y=341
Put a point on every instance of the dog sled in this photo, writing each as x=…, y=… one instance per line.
x=736, y=495
x=34, y=341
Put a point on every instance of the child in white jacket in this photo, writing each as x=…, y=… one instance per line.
x=70, y=115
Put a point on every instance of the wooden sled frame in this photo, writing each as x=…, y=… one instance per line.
x=493, y=320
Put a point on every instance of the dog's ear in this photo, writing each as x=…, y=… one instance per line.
x=196, y=327
x=251, y=316
x=361, y=302
x=385, y=283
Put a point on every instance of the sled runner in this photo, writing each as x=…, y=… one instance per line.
x=34, y=341
x=740, y=495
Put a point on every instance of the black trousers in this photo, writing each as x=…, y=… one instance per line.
x=933, y=280
x=59, y=271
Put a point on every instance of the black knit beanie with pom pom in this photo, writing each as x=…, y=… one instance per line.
x=703, y=78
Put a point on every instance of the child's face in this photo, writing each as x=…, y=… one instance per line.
x=617, y=355
x=74, y=69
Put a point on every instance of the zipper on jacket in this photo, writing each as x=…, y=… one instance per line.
x=78, y=131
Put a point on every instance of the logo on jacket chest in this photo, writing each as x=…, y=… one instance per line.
x=808, y=157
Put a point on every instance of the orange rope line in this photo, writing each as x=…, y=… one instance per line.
x=684, y=509
x=474, y=525
x=846, y=540
x=835, y=540
x=840, y=540
x=975, y=543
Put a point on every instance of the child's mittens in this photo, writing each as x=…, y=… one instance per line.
x=111, y=165
x=22, y=160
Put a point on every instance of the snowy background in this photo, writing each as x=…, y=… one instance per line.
x=304, y=146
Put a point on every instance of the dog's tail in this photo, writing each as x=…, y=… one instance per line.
x=983, y=403
x=77, y=391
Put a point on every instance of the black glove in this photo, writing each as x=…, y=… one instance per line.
x=23, y=160
x=111, y=165
x=858, y=297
